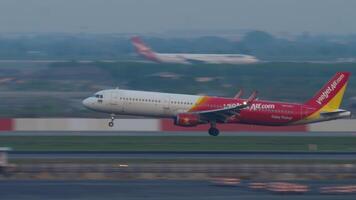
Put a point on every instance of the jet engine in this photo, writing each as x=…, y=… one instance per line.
x=187, y=119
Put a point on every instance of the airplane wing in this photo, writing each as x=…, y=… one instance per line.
x=223, y=114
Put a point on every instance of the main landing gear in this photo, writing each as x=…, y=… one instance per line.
x=111, y=123
x=213, y=131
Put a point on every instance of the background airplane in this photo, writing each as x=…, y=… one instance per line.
x=189, y=58
x=192, y=110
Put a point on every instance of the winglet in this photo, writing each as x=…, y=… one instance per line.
x=252, y=98
x=239, y=94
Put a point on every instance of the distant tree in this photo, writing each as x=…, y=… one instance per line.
x=258, y=37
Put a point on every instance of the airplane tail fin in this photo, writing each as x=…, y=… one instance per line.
x=142, y=49
x=330, y=96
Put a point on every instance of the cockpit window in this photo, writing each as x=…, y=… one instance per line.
x=100, y=96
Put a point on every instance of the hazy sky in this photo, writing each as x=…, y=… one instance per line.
x=120, y=16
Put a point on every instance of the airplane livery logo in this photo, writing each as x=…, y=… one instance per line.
x=254, y=106
x=260, y=106
x=325, y=94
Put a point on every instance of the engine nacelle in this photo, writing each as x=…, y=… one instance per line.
x=187, y=119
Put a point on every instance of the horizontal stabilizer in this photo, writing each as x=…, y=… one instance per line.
x=337, y=114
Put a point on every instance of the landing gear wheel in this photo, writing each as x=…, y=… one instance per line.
x=111, y=124
x=214, y=131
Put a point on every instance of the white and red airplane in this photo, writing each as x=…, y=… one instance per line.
x=192, y=110
x=189, y=58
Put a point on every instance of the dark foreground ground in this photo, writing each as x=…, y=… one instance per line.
x=149, y=189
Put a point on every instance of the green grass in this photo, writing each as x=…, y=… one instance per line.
x=176, y=143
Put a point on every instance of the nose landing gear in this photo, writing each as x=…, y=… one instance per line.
x=111, y=123
x=213, y=131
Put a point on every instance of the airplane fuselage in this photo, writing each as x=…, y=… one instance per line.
x=185, y=58
x=168, y=105
x=190, y=58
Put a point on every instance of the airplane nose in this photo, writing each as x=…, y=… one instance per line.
x=86, y=102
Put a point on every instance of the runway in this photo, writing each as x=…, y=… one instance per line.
x=151, y=190
x=350, y=156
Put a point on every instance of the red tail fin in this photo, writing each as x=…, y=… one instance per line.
x=330, y=96
x=143, y=49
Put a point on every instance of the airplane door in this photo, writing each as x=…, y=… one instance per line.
x=166, y=106
x=116, y=102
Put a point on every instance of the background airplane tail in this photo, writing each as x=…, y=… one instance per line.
x=143, y=49
x=330, y=96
